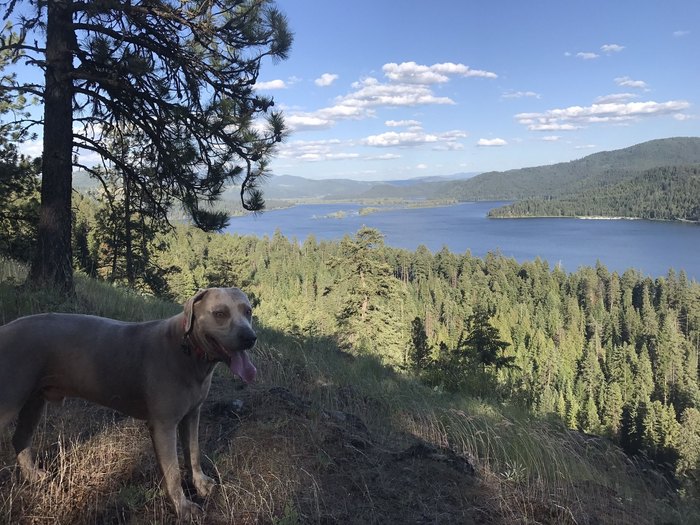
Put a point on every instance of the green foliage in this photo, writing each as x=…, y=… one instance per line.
x=369, y=289
x=19, y=202
x=420, y=350
x=605, y=353
x=666, y=193
x=177, y=76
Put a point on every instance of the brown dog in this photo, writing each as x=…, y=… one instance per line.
x=159, y=371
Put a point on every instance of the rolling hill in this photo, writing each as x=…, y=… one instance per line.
x=550, y=181
x=593, y=171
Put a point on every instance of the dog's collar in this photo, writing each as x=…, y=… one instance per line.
x=188, y=345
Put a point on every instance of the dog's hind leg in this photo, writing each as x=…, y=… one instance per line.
x=22, y=440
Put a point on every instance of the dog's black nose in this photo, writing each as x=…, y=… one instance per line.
x=248, y=339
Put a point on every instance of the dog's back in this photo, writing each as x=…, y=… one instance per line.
x=73, y=355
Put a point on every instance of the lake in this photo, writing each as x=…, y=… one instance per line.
x=652, y=247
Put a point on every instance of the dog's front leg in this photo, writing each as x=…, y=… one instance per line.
x=22, y=439
x=164, y=438
x=189, y=437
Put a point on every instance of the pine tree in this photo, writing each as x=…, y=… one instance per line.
x=612, y=409
x=689, y=442
x=419, y=353
x=368, y=286
x=182, y=73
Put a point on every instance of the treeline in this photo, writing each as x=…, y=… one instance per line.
x=607, y=354
x=668, y=193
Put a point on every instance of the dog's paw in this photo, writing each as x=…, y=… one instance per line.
x=189, y=512
x=34, y=474
x=204, y=485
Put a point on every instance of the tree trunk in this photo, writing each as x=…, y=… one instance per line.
x=52, y=264
x=128, y=243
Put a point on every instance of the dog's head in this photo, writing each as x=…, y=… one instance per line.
x=219, y=321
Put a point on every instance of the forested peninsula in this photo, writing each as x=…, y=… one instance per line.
x=667, y=193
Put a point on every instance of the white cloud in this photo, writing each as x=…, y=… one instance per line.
x=587, y=55
x=681, y=33
x=491, y=142
x=611, y=48
x=341, y=156
x=552, y=127
x=446, y=140
x=326, y=79
x=413, y=73
x=551, y=138
x=402, y=123
x=393, y=138
x=616, y=97
x=684, y=116
x=409, y=85
x=520, y=94
x=628, y=82
x=585, y=146
x=371, y=93
x=316, y=150
x=386, y=156
x=32, y=148
x=300, y=122
x=343, y=111
x=272, y=84
x=421, y=166
x=573, y=117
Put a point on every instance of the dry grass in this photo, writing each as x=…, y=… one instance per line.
x=293, y=454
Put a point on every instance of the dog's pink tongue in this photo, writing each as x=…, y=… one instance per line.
x=243, y=367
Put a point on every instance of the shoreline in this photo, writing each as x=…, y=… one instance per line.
x=370, y=206
x=593, y=218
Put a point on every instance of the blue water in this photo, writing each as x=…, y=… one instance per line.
x=649, y=246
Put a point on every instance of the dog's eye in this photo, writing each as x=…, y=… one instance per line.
x=248, y=312
x=219, y=314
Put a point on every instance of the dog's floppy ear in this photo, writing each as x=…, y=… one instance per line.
x=189, y=309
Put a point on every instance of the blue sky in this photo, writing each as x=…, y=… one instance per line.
x=379, y=90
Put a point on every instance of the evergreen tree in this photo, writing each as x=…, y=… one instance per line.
x=689, y=442
x=612, y=409
x=19, y=182
x=19, y=202
x=483, y=344
x=182, y=73
x=419, y=353
x=368, y=284
x=590, y=421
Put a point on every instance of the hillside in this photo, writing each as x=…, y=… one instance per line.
x=288, y=187
x=668, y=193
x=585, y=174
x=602, y=168
x=323, y=437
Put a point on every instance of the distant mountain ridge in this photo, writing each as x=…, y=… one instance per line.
x=549, y=181
x=592, y=171
x=291, y=187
